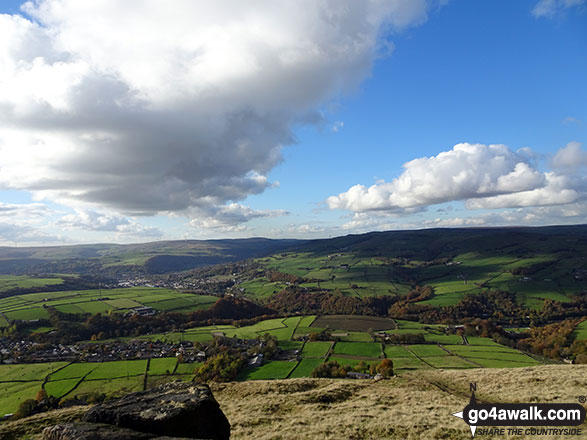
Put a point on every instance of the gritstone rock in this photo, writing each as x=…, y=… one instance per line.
x=174, y=409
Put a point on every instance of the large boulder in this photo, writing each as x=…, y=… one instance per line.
x=174, y=409
x=97, y=431
x=91, y=431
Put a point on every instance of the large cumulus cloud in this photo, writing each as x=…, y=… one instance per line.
x=485, y=176
x=173, y=106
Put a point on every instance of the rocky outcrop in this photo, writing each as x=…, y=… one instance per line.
x=92, y=431
x=173, y=410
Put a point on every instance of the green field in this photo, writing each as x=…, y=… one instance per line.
x=33, y=305
x=270, y=370
x=534, y=271
x=19, y=382
x=161, y=366
x=117, y=369
x=393, y=351
x=427, y=350
x=305, y=367
x=580, y=332
x=9, y=282
x=282, y=328
x=26, y=372
x=448, y=362
x=315, y=349
x=188, y=369
x=353, y=362
x=365, y=349
x=344, y=272
x=13, y=393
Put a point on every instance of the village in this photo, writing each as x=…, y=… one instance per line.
x=253, y=351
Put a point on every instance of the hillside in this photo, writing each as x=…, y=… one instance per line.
x=155, y=257
x=411, y=406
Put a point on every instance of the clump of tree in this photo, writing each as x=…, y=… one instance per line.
x=555, y=341
x=315, y=301
x=275, y=276
x=41, y=403
x=330, y=369
x=223, y=367
x=385, y=368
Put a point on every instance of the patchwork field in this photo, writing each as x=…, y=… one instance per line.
x=442, y=351
x=20, y=382
x=9, y=282
x=417, y=405
x=534, y=271
x=347, y=273
x=34, y=305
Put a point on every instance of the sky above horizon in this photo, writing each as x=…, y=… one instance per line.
x=142, y=121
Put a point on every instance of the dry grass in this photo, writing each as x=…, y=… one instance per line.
x=417, y=405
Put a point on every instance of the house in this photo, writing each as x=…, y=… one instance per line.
x=355, y=375
x=143, y=311
x=256, y=361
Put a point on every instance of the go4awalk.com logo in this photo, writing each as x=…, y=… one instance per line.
x=537, y=418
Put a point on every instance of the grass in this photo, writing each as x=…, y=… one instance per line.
x=353, y=362
x=9, y=282
x=188, y=369
x=161, y=366
x=73, y=371
x=60, y=388
x=393, y=351
x=441, y=338
x=118, y=369
x=290, y=345
x=31, y=306
x=408, y=363
x=315, y=349
x=13, y=393
x=366, y=349
x=110, y=387
x=305, y=368
x=427, y=350
x=449, y=362
x=270, y=370
x=580, y=332
x=501, y=363
x=28, y=372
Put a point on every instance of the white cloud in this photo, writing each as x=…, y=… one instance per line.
x=228, y=218
x=551, y=8
x=305, y=229
x=571, y=156
x=465, y=172
x=173, y=109
x=89, y=220
x=555, y=192
x=25, y=211
x=17, y=233
x=337, y=126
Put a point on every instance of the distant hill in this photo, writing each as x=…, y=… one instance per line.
x=155, y=257
x=170, y=256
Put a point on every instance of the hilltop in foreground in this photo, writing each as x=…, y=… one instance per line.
x=412, y=406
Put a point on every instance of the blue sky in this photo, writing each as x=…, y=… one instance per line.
x=238, y=144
